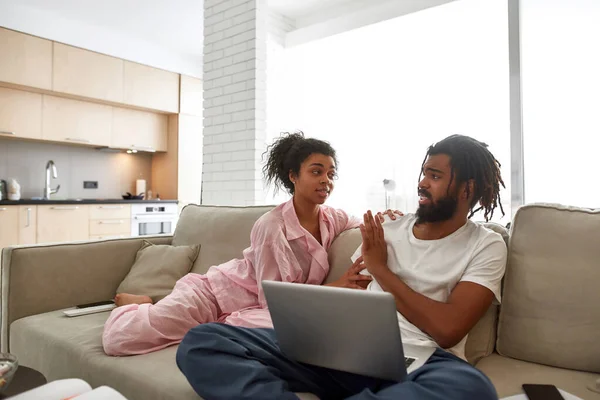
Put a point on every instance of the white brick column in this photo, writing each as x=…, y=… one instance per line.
x=235, y=53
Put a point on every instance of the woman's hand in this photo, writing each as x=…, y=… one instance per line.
x=392, y=214
x=352, y=277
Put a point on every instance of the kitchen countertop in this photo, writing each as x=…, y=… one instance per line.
x=25, y=202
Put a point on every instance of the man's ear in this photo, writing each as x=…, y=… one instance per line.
x=469, y=191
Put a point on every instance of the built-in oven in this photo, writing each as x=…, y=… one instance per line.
x=149, y=219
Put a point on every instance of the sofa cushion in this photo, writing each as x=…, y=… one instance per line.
x=157, y=268
x=223, y=232
x=72, y=348
x=482, y=337
x=508, y=374
x=550, y=312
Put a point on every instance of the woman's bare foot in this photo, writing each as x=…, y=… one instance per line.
x=122, y=299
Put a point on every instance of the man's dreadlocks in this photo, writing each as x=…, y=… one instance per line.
x=471, y=159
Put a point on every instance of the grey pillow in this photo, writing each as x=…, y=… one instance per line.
x=157, y=268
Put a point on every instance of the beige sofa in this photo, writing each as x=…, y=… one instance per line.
x=547, y=330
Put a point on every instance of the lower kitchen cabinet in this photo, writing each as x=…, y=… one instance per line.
x=62, y=223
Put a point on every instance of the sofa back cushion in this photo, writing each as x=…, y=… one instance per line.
x=482, y=337
x=550, y=313
x=223, y=232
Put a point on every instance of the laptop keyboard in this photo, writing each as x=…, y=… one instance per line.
x=408, y=361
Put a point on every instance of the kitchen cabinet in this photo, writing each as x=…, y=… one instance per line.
x=25, y=60
x=9, y=226
x=141, y=130
x=74, y=121
x=20, y=114
x=108, y=221
x=27, y=224
x=62, y=223
x=150, y=87
x=86, y=73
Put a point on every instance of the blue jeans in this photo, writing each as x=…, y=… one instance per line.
x=227, y=362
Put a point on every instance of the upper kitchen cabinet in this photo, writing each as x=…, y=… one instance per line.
x=191, y=96
x=74, y=121
x=86, y=73
x=20, y=114
x=151, y=88
x=25, y=60
x=140, y=130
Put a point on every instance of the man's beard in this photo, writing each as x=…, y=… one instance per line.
x=441, y=210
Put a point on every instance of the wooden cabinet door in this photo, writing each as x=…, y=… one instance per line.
x=25, y=60
x=62, y=223
x=9, y=226
x=74, y=121
x=86, y=73
x=150, y=87
x=20, y=114
x=141, y=130
x=27, y=224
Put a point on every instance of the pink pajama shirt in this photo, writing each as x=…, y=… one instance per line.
x=280, y=250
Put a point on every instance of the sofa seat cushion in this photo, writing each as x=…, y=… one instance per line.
x=509, y=374
x=62, y=347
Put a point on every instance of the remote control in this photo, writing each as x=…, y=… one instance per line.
x=75, y=312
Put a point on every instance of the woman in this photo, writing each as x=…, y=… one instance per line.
x=288, y=243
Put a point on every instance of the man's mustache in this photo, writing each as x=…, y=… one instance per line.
x=424, y=193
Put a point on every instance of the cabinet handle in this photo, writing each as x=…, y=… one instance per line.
x=143, y=148
x=7, y=133
x=28, y=218
x=78, y=140
x=111, y=207
x=3, y=208
x=111, y=222
x=64, y=208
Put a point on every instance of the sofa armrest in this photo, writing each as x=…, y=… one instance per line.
x=44, y=278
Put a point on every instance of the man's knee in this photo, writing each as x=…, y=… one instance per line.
x=473, y=382
x=196, y=342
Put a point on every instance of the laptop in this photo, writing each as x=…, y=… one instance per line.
x=349, y=330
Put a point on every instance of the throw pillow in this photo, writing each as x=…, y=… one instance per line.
x=157, y=268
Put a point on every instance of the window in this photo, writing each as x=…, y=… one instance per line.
x=561, y=100
x=383, y=93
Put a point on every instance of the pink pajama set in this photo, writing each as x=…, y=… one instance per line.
x=280, y=250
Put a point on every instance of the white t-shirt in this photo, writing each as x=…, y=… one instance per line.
x=434, y=267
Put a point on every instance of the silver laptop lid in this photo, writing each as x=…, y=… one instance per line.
x=344, y=329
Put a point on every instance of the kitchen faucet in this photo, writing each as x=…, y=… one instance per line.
x=47, y=190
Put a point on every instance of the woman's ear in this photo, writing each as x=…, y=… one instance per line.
x=293, y=177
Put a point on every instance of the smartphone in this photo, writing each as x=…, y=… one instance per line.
x=98, y=303
x=542, y=392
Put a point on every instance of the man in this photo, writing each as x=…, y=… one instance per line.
x=443, y=270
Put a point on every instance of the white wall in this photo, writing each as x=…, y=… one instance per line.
x=55, y=25
x=234, y=101
x=115, y=172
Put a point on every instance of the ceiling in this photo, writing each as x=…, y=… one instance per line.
x=164, y=33
x=301, y=8
x=175, y=24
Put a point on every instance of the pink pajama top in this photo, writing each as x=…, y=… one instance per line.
x=280, y=249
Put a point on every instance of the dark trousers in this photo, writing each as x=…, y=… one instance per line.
x=227, y=362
